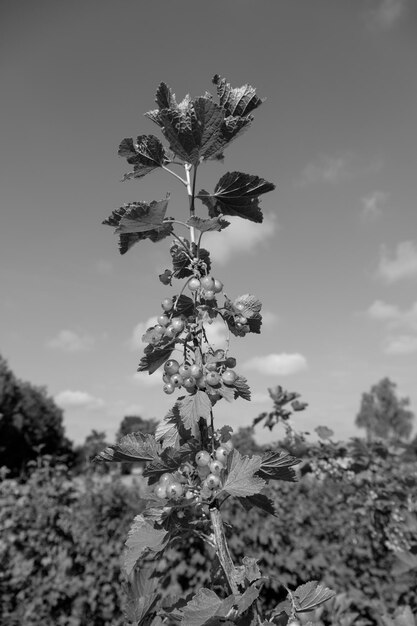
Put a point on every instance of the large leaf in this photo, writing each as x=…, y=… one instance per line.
x=141, y=537
x=145, y=154
x=310, y=595
x=142, y=595
x=136, y=221
x=237, y=101
x=278, y=466
x=194, y=407
x=205, y=605
x=237, y=194
x=242, y=480
x=131, y=448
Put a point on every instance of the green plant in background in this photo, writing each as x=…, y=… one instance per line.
x=192, y=467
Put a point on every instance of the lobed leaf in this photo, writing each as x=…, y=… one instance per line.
x=237, y=194
x=131, y=448
x=241, y=388
x=145, y=154
x=204, y=225
x=278, y=466
x=310, y=595
x=242, y=480
x=142, y=595
x=141, y=537
x=205, y=605
x=153, y=358
x=237, y=101
x=194, y=407
x=261, y=501
x=247, y=305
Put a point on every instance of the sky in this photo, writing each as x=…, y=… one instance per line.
x=335, y=260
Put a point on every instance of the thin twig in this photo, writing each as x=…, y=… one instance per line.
x=184, y=182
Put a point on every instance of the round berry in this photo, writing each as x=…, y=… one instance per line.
x=166, y=378
x=163, y=320
x=159, y=331
x=209, y=294
x=201, y=383
x=221, y=454
x=178, y=324
x=218, y=286
x=207, y=282
x=194, y=284
x=189, y=383
x=229, y=377
x=218, y=354
x=211, y=367
x=168, y=388
x=160, y=491
x=240, y=306
x=202, y=458
x=176, y=380
x=170, y=332
x=184, y=370
x=230, y=361
x=171, y=367
x=196, y=371
x=175, y=490
x=212, y=481
x=167, y=304
x=166, y=479
x=216, y=467
x=212, y=378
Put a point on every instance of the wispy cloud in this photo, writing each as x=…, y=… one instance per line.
x=135, y=341
x=70, y=399
x=70, y=341
x=372, y=205
x=386, y=13
x=277, y=364
x=400, y=326
x=241, y=237
x=399, y=265
x=326, y=169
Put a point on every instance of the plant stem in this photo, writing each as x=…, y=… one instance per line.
x=190, y=192
x=222, y=549
x=184, y=182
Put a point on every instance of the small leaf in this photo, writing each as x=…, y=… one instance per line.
x=238, y=101
x=215, y=223
x=241, y=388
x=237, y=194
x=323, y=432
x=241, y=480
x=247, y=305
x=182, y=259
x=261, y=501
x=146, y=154
x=247, y=599
x=141, y=537
x=203, y=606
x=278, y=466
x=194, y=407
x=310, y=595
x=153, y=359
x=131, y=448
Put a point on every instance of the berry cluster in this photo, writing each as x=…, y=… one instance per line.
x=196, y=481
x=193, y=376
x=205, y=286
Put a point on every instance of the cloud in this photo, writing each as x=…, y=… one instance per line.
x=372, y=205
x=241, y=237
x=216, y=333
x=135, y=341
x=277, y=364
x=69, y=341
x=400, y=326
x=401, y=264
x=386, y=13
x=326, y=169
x=69, y=399
x=143, y=378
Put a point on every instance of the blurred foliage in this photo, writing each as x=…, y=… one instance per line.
x=30, y=423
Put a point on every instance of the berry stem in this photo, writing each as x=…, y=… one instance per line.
x=184, y=182
x=190, y=191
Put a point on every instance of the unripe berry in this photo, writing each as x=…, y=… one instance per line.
x=167, y=304
x=202, y=458
x=209, y=294
x=168, y=388
x=193, y=284
x=221, y=454
x=189, y=383
x=166, y=479
x=218, y=286
x=216, y=467
x=171, y=367
x=163, y=320
x=159, y=331
x=178, y=324
x=211, y=367
x=212, y=378
x=175, y=490
x=207, y=282
x=229, y=377
x=212, y=481
x=176, y=380
x=170, y=332
x=184, y=370
x=160, y=492
x=196, y=371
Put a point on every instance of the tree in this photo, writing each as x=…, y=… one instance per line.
x=136, y=423
x=30, y=422
x=383, y=414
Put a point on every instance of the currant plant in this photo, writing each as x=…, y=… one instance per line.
x=192, y=467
